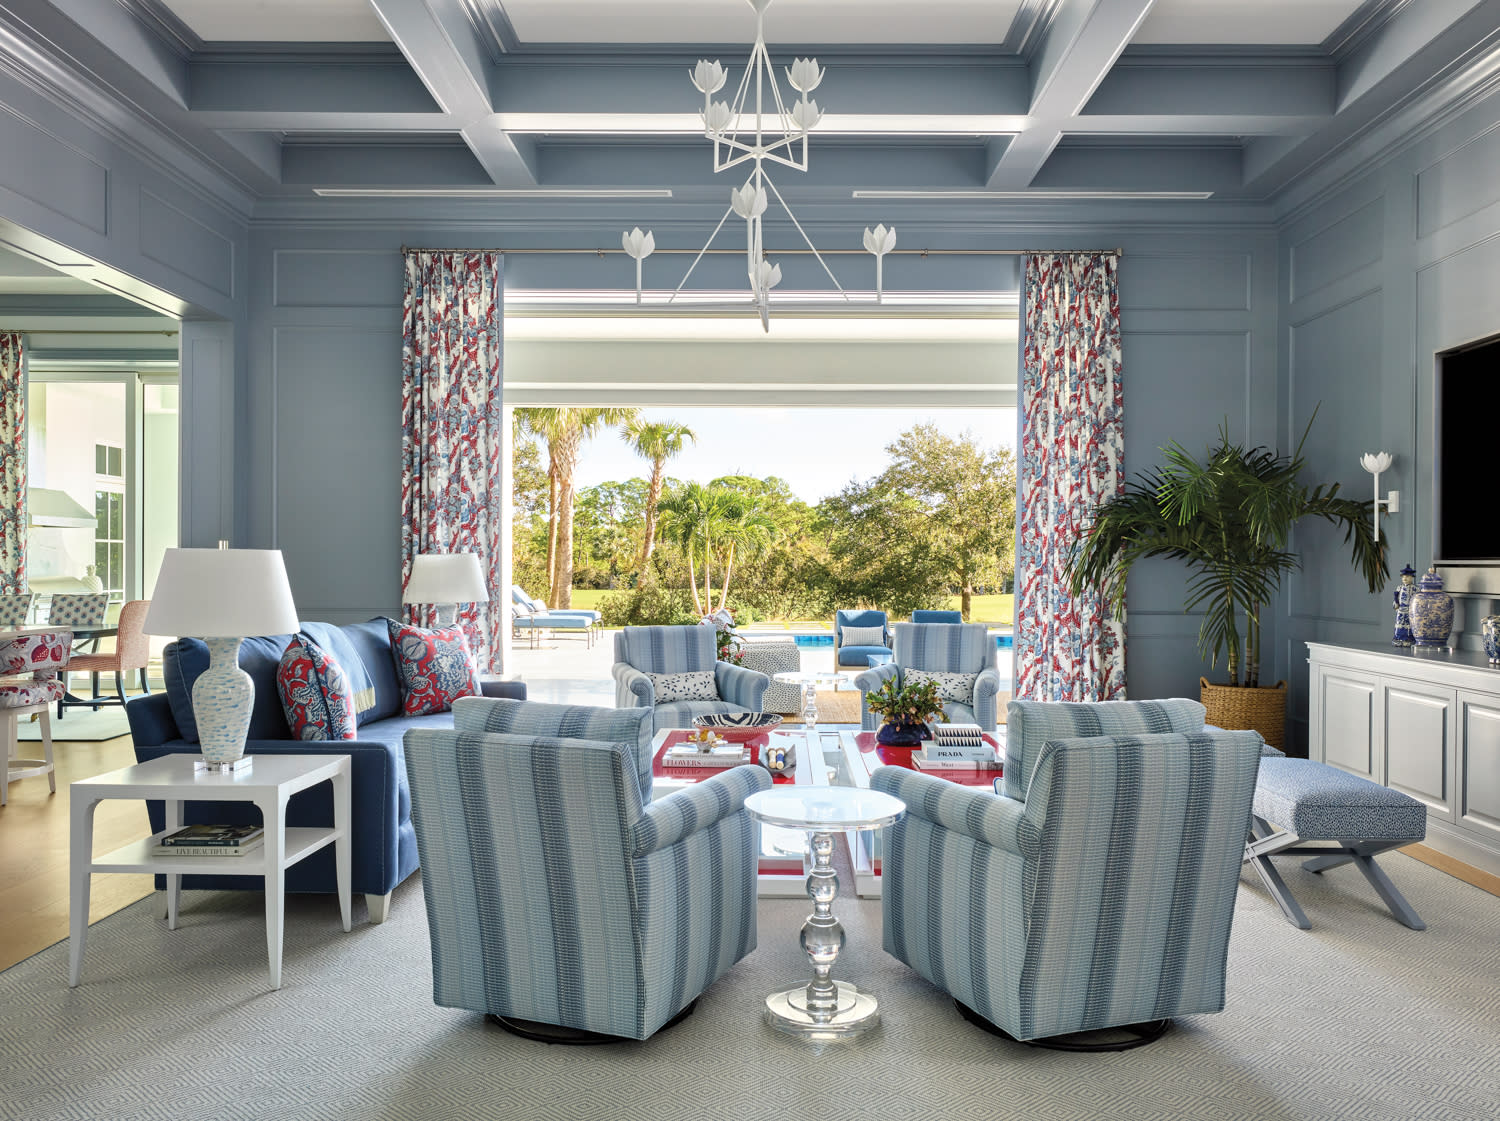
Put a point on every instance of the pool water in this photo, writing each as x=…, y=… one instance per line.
x=1003, y=641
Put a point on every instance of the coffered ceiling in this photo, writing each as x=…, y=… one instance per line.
x=1221, y=99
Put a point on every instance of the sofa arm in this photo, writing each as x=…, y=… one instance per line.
x=509, y=690
x=975, y=813
x=374, y=797
x=986, y=693
x=633, y=689
x=696, y=807
x=741, y=686
x=150, y=719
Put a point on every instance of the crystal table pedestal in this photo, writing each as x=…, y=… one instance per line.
x=810, y=680
x=823, y=1008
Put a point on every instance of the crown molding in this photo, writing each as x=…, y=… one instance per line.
x=1028, y=29
x=165, y=24
x=1362, y=23
x=1386, y=137
x=121, y=122
x=493, y=27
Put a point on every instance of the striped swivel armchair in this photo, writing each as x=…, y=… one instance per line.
x=962, y=651
x=1103, y=900
x=558, y=900
x=650, y=661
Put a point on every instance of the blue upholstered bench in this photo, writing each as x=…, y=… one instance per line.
x=1299, y=800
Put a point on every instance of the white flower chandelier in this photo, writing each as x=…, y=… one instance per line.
x=758, y=133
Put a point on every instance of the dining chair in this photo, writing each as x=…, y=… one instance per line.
x=83, y=612
x=131, y=653
x=30, y=661
x=15, y=609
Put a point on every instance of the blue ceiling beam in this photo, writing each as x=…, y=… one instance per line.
x=138, y=43
x=1079, y=49
x=327, y=85
x=346, y=164
x=1230, y=86
x=1400, y=38
x=443, y=46
x=1143, y=167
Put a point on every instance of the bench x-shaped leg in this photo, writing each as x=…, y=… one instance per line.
x=1265, y=841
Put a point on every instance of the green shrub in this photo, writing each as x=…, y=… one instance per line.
x=649, y=605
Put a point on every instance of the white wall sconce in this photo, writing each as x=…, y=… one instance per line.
x=1375, y=463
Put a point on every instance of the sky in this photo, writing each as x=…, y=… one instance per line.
x=817, y=451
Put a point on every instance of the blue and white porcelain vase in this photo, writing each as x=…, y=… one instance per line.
x=1402, y=598
x=1431, y=611
x=1490, y=625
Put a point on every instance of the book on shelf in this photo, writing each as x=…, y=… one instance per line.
x=213, y=836
x=210, y=850
x=688, y=755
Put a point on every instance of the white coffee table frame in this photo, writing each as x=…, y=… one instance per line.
x=270, y=784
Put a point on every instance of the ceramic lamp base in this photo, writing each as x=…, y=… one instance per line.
x=222, y=697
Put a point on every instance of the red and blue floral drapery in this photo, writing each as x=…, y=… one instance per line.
x=452, y=426
x=1072, y=458
x=12, y=465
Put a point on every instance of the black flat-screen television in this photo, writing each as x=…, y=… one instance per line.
x=1466, y=528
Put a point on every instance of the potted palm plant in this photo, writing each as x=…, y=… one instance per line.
x=1229, y=518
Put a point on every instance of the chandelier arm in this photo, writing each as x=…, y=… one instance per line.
x=784, y=161
x=678, y=290
x=807, y=239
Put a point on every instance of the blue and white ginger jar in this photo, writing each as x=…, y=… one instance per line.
x=1431, y=611
x=1491, y=628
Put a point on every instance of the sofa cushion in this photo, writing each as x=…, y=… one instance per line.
x=185, y=659
x=951, y=686
x=338, y=645
x=373, y=642
x=862, y=636
x=694, y=685
x=435, y=667
x=859, y=655
x=315, y=692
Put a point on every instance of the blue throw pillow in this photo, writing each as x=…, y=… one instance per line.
x=185, y=659
x=338, y=645
x=373, y=641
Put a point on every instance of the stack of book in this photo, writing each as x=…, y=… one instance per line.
x=688, y=755
x=211, y=840
x=955, y=747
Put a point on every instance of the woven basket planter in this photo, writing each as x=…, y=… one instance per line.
x=1236, y=707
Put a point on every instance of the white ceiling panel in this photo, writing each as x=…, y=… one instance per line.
x=281, y=21
x=787, y=21
x=1244, y=22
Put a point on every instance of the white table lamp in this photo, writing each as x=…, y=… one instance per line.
x=221, y=596
x=445, y=580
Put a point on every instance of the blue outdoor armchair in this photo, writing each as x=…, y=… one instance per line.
x=1103, y=900
x=643, y=651
x=857, y=654
x=921, y=616
x=965, y=648
x=560, y=900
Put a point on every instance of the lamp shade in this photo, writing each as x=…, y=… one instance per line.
x=221, y=593
x=445, y=578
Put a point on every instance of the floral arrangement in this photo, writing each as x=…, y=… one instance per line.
x=729, y=646
x=916, y=703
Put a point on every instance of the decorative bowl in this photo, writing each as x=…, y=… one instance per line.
x=738, y=727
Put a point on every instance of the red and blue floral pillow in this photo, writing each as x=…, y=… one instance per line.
x=435, y=668
x=315, y=692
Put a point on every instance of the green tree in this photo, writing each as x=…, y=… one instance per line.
x=941, y=515
x=565, y=430
x=529, y=499
x=658, y=441
x=693, y=515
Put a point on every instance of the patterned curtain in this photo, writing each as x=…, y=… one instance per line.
x=452, y=427
x=12, y=465
x=1072, y=458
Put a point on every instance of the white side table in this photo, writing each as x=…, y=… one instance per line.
x=171, y=779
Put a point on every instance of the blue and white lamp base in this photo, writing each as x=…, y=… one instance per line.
x=222, y=697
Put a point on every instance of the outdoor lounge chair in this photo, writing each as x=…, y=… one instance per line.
x=537, y=607
x=555, y=621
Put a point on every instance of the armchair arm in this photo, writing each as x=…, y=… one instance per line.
x=741, y=686
x=876, y=676
x=973, y=812
x=633, y=689
x=986, y=693
x=686, y=811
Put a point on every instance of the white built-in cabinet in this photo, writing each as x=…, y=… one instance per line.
x=1426, y=723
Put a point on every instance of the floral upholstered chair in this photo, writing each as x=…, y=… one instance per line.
x=674, y=672
x=30, y=664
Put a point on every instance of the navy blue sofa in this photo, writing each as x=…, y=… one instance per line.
x=385, y=844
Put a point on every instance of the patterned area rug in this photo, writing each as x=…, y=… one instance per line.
x=834, y=707
x=1358, y=1018
x=81, y=725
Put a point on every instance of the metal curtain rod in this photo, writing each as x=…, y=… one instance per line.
x=62, y=331
x=786, y=252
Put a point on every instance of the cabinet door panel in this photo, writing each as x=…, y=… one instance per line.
x=1418, y=742
x=1479, y=765
x=1348, y=722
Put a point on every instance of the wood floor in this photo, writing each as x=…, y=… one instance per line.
x=34, y=850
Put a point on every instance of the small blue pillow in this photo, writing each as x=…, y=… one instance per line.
x=185, y=659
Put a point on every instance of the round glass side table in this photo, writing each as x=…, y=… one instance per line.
x=823, y=1008
x=810, y=680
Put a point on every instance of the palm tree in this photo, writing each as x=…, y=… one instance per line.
x=748, y=529
x=1230, y=519
x=657, y=442
x=565, y=430
x=693, y=516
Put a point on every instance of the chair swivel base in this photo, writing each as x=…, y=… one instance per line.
x=574, y=1037
x=1122, y=1038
